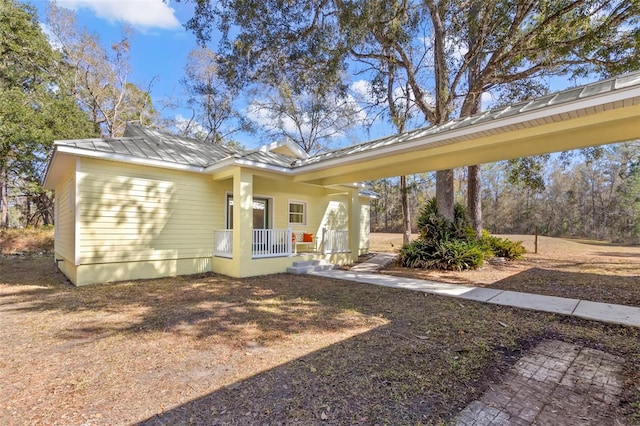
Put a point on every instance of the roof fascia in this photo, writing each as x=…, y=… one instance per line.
x=243, y=162
x=127, y=159
x=49, y=164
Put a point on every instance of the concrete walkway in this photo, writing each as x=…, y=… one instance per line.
x=606, y=312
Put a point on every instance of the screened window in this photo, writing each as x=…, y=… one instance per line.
x=297, y=212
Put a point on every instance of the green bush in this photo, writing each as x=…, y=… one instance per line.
x=503, y=247
x=458, y=255
x=414, y=255
x=432, y=226
x=453, y=246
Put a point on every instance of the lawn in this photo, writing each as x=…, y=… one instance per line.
x=577, y=269
x=280, y=349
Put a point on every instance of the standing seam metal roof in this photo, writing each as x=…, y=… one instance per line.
x=554, y=99
x=150, y=144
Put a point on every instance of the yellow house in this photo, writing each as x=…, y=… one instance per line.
x=151, y=205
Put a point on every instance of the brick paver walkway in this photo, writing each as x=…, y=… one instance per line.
x=555, y=384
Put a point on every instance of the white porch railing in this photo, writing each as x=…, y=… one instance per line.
x=271, y=243
x=223, y=239
x=335, y=241
x=278, y=242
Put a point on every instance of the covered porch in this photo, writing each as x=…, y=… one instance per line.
x=270, y=223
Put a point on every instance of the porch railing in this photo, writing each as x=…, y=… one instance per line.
x=278, y=242
x=223, y=240
x=271, y=243
x=335, y=241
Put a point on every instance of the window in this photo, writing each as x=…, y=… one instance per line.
x=297, y=212
x=261, y=212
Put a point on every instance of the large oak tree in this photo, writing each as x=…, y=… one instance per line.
x=451, y=51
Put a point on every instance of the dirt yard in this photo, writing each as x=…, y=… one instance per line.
x=279, y=349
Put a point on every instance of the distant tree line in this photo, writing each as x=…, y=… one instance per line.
x=292, y=65
x=592, y=193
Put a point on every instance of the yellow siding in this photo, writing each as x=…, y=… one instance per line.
x=145, y=222
x=143, y=214
x=64, y=245
x=325, y=207
x=121, y=271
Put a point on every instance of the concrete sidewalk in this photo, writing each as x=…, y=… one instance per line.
x=606, y=312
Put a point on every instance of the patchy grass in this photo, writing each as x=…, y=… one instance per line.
x=277, y=349
x=578, y=269
x=26, y=240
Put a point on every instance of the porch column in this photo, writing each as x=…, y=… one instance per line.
x=354, y=224
x=242, y=219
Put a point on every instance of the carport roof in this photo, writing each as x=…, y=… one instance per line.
x=568, y=96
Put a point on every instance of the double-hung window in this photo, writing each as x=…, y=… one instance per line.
x=297, y=212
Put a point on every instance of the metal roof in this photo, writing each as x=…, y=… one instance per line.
x=161, y=149
x=554, y=99
x=149, y=144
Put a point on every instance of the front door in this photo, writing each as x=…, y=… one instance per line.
x=261, y=213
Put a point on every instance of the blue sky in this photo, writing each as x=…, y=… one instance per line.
x=160, y=45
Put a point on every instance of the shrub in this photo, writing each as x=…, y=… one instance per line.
x=453, y=245
x=416, y=254
x=433, y=226
x=458, y=255
x=503, y=247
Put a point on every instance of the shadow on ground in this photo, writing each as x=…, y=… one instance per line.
x=417, y=359
x=624, y=290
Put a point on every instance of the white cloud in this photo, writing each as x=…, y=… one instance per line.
x=189, y=128
x=362, y=89
x=138, y=13
x=51, y=38
x=486, y=100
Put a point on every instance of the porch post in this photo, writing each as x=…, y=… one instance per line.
x=354, y=224
x=242, y=219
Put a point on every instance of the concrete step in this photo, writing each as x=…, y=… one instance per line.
x=316, y=262
x=307, y=269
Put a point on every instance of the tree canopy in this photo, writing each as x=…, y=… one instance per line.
x=99, y=77
x=35, y=106
x=449, y=52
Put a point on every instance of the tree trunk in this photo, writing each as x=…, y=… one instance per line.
x=474, y=198
x=4, y=213
x=406, y=216
x=444, y=194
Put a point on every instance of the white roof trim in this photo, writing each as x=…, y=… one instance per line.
x=64, y=149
